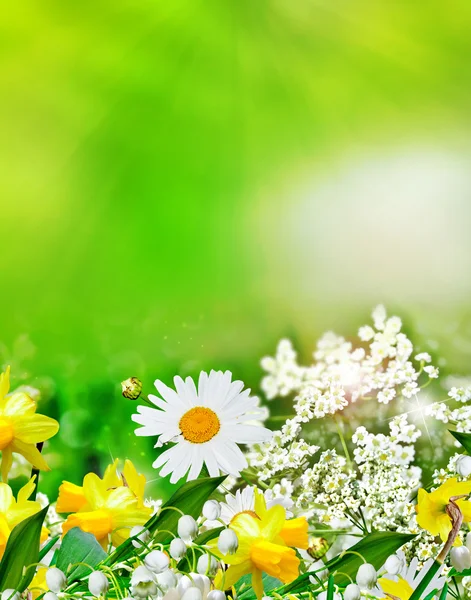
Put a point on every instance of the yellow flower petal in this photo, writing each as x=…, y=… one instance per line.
x=33, y=429
x=136, y=482
x=257, y=583
x=294, y=533
x=71, y=498
x=97, y=522
x=110, y=478
x=94, y=490
x=6, y=497
x=19, y=404
x=400, y=589
x=225, y=580
x=7, y=461
x=26, y=491
x=260, y=506
x=31, y=453
x=273, y=522
x=4, y=534
x=4, y=385
x=38, y=585
x=20, y=512
x=278, y=561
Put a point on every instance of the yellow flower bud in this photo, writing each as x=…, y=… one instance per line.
x=132, y=388
x=318, y=546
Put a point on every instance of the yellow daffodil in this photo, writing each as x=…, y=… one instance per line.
x=13, y=511
x=431, y=508
x=21, y=428
x=38, y=585
x=266, y=541
x=105, y=507
x=398, y=589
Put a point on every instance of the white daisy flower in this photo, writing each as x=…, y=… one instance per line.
x=243, y=501
x=205, y=425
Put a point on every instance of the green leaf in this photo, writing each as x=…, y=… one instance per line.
x=184, y=565
x=78, y=546
x=463, y=438
x=330, y=588
x=426, y=579
x=375, y=549
x=47, y=547
x=189, y=499
x=244, y=586
x=22, y=551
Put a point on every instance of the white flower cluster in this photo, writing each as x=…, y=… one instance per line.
x=387, y=478
x=377, y=366
x=341, y=374
x=378, y=490
x=459, y=417
x=284, y=453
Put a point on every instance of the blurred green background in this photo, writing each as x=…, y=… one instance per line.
x=182, y=183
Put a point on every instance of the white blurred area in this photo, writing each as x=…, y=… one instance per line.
x=391, y=227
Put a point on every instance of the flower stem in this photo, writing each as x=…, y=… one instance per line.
x=339, y=426
x=35, y=472
x=420, y=589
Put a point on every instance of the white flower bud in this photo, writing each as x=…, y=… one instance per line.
x=212, y=510
x=228, y=542
x=10, y=594
x=98, y=584
x=217, y=595
x=394, y=564
x=156, y=561
x=166, y=580
x=143, y=536
x=366, y=576
x=177, y=548
x=468, y=541
x=460, y=558
x=50, y=596
x=192, y=593
x=207, y=565
x=323, y=596
x=187, y=528
x=352, y=592
x=463, y=465
x=56, y=579
x=143, y=583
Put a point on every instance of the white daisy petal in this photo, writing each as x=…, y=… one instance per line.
x=249, y=434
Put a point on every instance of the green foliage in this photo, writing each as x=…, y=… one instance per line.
x=22, y=551
x=78, y=546
x=374, y=548
x=463, y=438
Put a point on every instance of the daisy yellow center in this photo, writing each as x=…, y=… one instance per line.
x=6, y=432
x=199, y=425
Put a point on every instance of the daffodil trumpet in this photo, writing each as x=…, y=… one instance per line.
x=453, y=511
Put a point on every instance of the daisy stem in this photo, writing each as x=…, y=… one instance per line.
x=35, y=472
